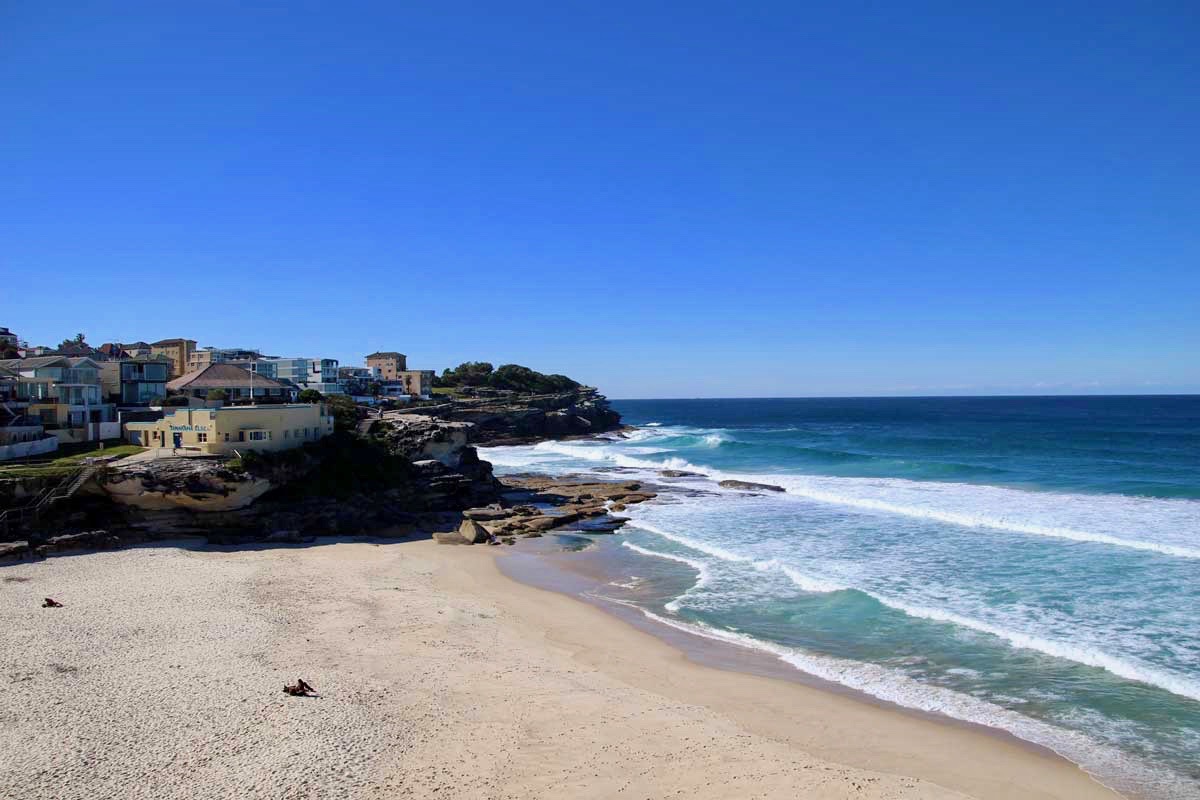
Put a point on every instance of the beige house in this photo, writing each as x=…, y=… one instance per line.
x=178, y=350
x=235, y=429
x=389, y=364
x=416, y=382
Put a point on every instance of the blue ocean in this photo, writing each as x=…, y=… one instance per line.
x=1029, y=564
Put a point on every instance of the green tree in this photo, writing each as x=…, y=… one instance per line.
x=309, y=396
x=218, y=394
x=517, y=378
x=176, y=400
x=344, y=411
x=469, y=373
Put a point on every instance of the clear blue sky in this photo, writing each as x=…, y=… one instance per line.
x=689, y=199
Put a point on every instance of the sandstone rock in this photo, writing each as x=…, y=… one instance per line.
x=472, y=532
x=752, y=487
x=487, y=514
x=679, y=473
x=90, y=540
x=449, y=538
x=14, y=551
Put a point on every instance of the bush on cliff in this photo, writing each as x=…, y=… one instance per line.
x=469, y=373
x=309, y=396
x=511, y=377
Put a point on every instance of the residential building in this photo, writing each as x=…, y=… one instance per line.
x=305, y=373
x=235, y=429
x=135, y=349
x=178, y=350
x=64, y=395
x=416, y=382
x=390, y=364
x=358, y=380
x=237, y=383
x=8, y=337
x=135, y=381
x=221, y=355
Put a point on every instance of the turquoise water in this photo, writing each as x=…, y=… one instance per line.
x=1031, y=564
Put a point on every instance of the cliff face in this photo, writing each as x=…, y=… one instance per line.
x=501, y=418
x=409, y=470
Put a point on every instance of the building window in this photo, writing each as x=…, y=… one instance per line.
x=285, y=433
x=241, y=436
x=201, y=437
x=227, y=437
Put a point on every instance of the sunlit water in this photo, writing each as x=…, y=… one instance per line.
x=1032, y=564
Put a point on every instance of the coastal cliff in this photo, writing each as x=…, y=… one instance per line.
x=508, y=418
x=399, y=473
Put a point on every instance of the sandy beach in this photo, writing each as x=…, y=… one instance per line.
x=438, y=676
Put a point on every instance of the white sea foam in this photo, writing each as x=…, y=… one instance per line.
x=973, y=506
x=1167, y=527
x=695, y=544
x=703, y=575
x=1078, y=653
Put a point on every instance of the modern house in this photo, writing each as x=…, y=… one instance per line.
x=64, y=395
x=237, y=383
x=221, y=355
x=304, y=373
x=235, y=429
x=135, y=381
x=178, y=350
x=358, y=380
x=389, y=364
x=21, y=436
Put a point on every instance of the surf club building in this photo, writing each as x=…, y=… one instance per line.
x=234, y=429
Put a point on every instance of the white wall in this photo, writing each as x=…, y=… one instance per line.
x=26, y=449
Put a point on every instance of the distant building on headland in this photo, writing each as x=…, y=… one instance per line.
x=178, y=350
x=389, y=364
x=416, y=382
x=221, y=355
x=235, y=429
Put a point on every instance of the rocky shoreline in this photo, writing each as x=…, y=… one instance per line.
x=413, y=473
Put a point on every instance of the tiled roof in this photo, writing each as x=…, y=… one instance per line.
x=221, y=376
x=389, y=354
x=37, y=362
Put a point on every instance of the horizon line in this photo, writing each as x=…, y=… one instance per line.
x=916, y=396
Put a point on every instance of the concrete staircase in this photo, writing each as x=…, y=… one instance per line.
x=66, y=488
